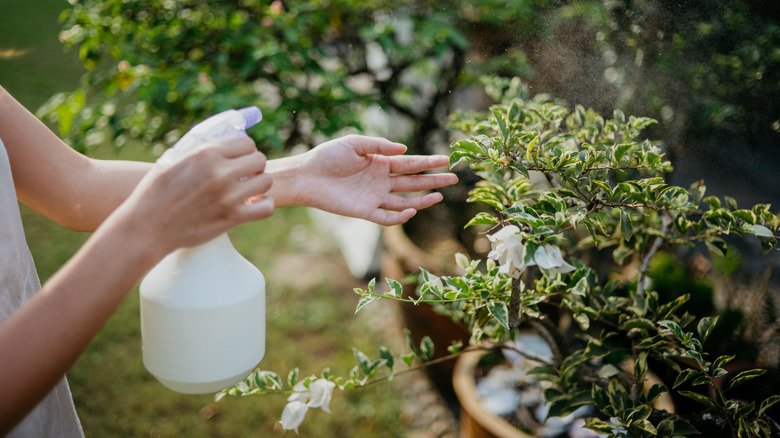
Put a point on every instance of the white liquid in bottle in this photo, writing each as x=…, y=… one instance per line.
x=203, y=308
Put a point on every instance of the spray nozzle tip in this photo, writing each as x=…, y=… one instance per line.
x=251, y=115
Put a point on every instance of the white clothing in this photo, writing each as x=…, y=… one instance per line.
x=56, y=415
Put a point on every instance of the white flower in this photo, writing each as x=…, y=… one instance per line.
x=549, y=257
x=317, y=395
x=320, y=392
x=509, y=250
x=300, y=393
x=293, y=414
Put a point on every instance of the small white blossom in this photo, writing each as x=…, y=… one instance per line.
x=321, y=391
x=293, y=414
x=300, y=393
x=509, y=251
x=317, y=395
x=549, y=257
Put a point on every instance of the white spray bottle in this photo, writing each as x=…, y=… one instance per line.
x=203, y=308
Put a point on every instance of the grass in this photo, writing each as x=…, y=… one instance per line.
x=310, y=317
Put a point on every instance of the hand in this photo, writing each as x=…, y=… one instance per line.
x=201, y=196
x=360, y=176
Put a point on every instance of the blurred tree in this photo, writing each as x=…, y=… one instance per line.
x=314, y=67
x=704, y=68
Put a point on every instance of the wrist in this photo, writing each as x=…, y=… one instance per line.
x=287, y=174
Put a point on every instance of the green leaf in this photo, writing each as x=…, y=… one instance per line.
x=364, y=301
x=638, y=323
x=544, y=371
x=520, y=168
x=768, y=403
x=388, y=357
x=292, y=377
x=499, y=311
x=645, y=426
x=601, y=399
x=581, y=288
x=568, y=403
x=684, y=376
x=498, y=116
x=743, y=377
x=469, y=146
x=721, y=361
x=705, y=327
x=673, y=327
x=654, y=392
x=761, y=231
x=597, y=425
x=745, y=410
x=363, y=361
x=669, y=308
x=482, y=218
x=675, y=426
x=713, y=201
x=694, y=355
x=426, y=349
x=625, y=226
x=396, y=289
x=701, y=380
x=695, y=396
x=455, y=347
x=608, y=371
x=408, y=359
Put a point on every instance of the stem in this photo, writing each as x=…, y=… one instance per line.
x=640, y=287
x=514, y=304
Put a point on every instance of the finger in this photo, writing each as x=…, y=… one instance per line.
x=385, y=217
x=376, y=145
x=236, y=147
x=261, y=208
x=400, y=203
x=252, y=187
x=247, y=165
x=417, y=163
x=417, y=183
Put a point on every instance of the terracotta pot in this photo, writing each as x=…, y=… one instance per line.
x=476, y=422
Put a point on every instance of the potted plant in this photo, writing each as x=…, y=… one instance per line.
x=578, y=209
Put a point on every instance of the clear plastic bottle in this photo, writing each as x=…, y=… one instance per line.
x=203, y=308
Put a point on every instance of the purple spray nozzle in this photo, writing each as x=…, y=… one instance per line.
x=252, y=115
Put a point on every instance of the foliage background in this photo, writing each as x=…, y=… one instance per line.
x=308, y=66
x=114, y=394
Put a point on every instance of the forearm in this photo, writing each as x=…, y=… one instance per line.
x=41, y=341
x=57, y=181
x=103, y=188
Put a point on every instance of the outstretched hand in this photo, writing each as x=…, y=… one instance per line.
x=364, y=177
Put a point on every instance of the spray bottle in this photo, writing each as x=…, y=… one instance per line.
x=203, y=308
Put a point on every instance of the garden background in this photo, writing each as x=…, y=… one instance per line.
x=309, y=317
x=719, y=117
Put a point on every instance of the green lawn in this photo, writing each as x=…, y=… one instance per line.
x=310, y=317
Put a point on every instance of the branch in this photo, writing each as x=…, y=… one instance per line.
x=514, y=304
x=640, y=287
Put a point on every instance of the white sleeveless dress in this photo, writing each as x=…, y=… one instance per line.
x=55, y=416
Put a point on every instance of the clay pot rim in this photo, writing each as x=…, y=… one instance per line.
x=464, y=383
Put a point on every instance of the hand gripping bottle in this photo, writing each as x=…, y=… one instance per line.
x=203, y=308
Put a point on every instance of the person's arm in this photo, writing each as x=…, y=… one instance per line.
x=184, y=205
x=359, y=176
x=353, y=176
x=58, y=182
